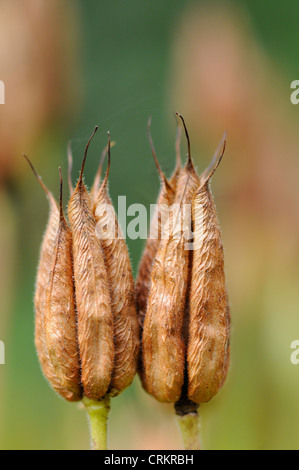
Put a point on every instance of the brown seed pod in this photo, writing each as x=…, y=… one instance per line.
x=60, y=312
x=209, y=319
x=165, y=199
x=121, y=282
x=43, y=273
x=95, y=322
x=162, y=341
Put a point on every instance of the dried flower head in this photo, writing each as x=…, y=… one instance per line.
x=186, y=327
x=87, y=333
x=162, y=342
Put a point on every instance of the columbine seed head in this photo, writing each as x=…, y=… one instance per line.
x=185, y=341
x=87, y=334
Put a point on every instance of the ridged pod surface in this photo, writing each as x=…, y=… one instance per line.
x=95, y=321
x=60, y=312
x=185, y=342
x=165, y=199
x=209, y=319
x=64, y=384
x=121, y=284
x=163, y=347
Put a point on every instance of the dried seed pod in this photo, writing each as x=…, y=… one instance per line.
x=209, y=319
x=165, y=199
x=95, y=322
x=44, y=269
x=60, y=312
x=162, y=342
x=121, y=282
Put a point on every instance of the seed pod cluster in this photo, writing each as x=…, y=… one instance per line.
x=185, y=340
x=87, y=334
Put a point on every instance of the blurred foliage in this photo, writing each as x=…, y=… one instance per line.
x=224, y=65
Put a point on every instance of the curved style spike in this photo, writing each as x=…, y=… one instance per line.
x=218, y=155
x=96, y=184
x=162, y=176
x=39, y=179
x=105, y=181
x=189, y=162
x=60, y=195
x=80, y=181
x=70, y=166
x=177, y=147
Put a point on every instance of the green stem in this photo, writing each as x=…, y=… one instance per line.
x=97, y=411
x=189, y=427
x=188, y=421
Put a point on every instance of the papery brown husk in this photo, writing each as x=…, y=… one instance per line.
x=143, y=281
x=165, y=198
x=209, y=320
x=43, y=272
x=60, y=314
x=121, y=284
x=95, y=322
x=163, y=345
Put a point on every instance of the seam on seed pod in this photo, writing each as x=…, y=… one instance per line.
x=95, y=320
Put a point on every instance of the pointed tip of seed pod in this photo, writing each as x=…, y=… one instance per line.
x=96, y=184
x=189, y=163
x=31, y=166
x=60, y=195
x=178, y=143
x=162, y=176
x=108, y=147
x=39, y=179
x=109, y=156
x=216, y=160
x=80, y=181
x=178, y=146
x=149, y=134
x=70, y=166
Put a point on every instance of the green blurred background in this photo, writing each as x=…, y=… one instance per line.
x=224, y=65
